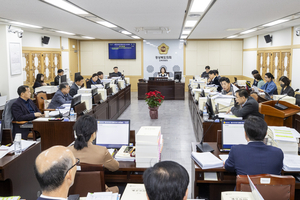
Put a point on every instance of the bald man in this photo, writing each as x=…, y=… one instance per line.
x=55, y=170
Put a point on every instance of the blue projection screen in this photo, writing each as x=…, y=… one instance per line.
x=122, y=50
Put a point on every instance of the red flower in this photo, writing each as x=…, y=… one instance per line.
x=159, y=100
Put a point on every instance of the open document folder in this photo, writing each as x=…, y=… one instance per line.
x=253, y=195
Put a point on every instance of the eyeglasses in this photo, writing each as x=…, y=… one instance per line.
x=77, y=163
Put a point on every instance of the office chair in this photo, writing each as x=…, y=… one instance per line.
x=40, y=99
x=273, y=187
x=90, y=178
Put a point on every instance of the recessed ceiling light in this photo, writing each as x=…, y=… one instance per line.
x=135, y=37
x=28, y=25
x=107, y=24
x=190, y=23
x=64, y=32
x=199, y=5
x=276, y=22
x=234, y=29
x=183, y=36
x=249, y=31
x=87, y=37
x=186, y=32
x=126, y=32
x=233, y=36
x=67, y=6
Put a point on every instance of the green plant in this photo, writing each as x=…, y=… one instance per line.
x=154, y=98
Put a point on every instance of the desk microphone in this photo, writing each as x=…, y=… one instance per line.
x=280, y=106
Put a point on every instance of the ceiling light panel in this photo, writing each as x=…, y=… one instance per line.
x=67, y=6
x=135, y=37
x=276, y=22
x=233, y=36
x=199, y=5
x=190, y=23
x=27, y=25
x=186, y=32
x=126, y=32
x=64, y=32
x=87, y=37
x=249, y=31
x=107, y=24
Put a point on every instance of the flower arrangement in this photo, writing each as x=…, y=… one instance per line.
x=154, y=98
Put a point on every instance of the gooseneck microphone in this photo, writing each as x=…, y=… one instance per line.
x=280, y=106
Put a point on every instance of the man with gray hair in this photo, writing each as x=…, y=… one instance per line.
x=55, y=170
x=61, y=97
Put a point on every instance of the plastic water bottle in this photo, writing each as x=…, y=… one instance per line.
x=17, y=144
x=72, y=115
x=205, y=115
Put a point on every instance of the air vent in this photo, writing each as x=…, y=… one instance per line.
x=188, y=28
x=194, y=15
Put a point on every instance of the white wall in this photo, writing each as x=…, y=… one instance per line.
x=249, y=62
x=250, y=43
x=280, y=38
x=224, y=55
x=296, y=38
x=9, y=83
x=94, y=58
x=31, y=39
x=296, y=69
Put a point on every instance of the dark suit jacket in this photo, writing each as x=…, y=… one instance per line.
x=250, y=108
x=254, y=158
x=59, y=99
x=289, y=91
x=40, y=198
x=20, y=112
x=56, y=80
x=90, y=83
x=216, y=82
x=73, y=90
x=36, y=84
x=204, y=75
x=99, y=81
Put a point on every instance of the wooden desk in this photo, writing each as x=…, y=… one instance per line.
x=170, y=89
x=17, y=176
x=61, y=133
x=226, y=180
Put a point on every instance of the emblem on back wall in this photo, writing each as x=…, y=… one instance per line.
x=163, y=49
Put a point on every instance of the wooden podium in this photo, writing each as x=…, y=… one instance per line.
x=275, y=117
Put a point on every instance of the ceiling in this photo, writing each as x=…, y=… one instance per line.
x=130, y=14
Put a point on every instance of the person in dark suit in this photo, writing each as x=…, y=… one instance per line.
x=100, y=77
x=285, y=85
x=61, y=97
x=246, y=105
x=166, y=180
x=255, y=82
x=76, y=85
x=23, y=109
x=205, y=73
x=92, y=81
x=55, y=170
x=255, y=157
x=39, y=81
x=60, y=72
x=214, y=79
x=116, y=72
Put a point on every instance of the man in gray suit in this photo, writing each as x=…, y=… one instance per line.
x=76, y=86
x=61, y=96
x=247, y=105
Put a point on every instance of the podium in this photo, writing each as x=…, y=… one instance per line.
x=275, y=117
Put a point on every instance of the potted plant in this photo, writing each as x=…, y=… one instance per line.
x=154, y=99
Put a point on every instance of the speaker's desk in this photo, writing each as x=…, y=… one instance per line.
x=168, y=88
x=61, y=133
x=17, y=176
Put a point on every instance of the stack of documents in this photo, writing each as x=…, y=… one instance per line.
x=291, y=162
x=207, y=160
x=123, y=156
x=103, y=196
x=287, y=139
x=149, y=144
x=134, y=191
x=229, y=116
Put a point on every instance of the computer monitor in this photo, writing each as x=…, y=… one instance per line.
x=76, y=100
x=233, y=133
x=209, y=108
x=177, y=75
x=63, y=78
x=107, y=85
x=94, y=91
x=113, y=133
x=1, y=130
x=113, y=75
x=76, y=74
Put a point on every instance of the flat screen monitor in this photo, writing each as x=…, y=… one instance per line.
x=209, y=107
x=233, y=133
x=76, y=100
x=177, y=75
x=113, y=133
x=1, y=130
x=76, y=74
x=122, y=50
x=63, y=78
x=94, y=92
x=107, y=85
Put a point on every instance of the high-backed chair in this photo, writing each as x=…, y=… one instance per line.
x=40, y=97
x=90, y=178
x=271, y=187
x=7, y=115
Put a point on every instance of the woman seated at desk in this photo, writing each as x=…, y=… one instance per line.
x=86, y=128
x=162, y=73
x=39, y=81
x=259, y=80
x=269, y=87
x=285, y=85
